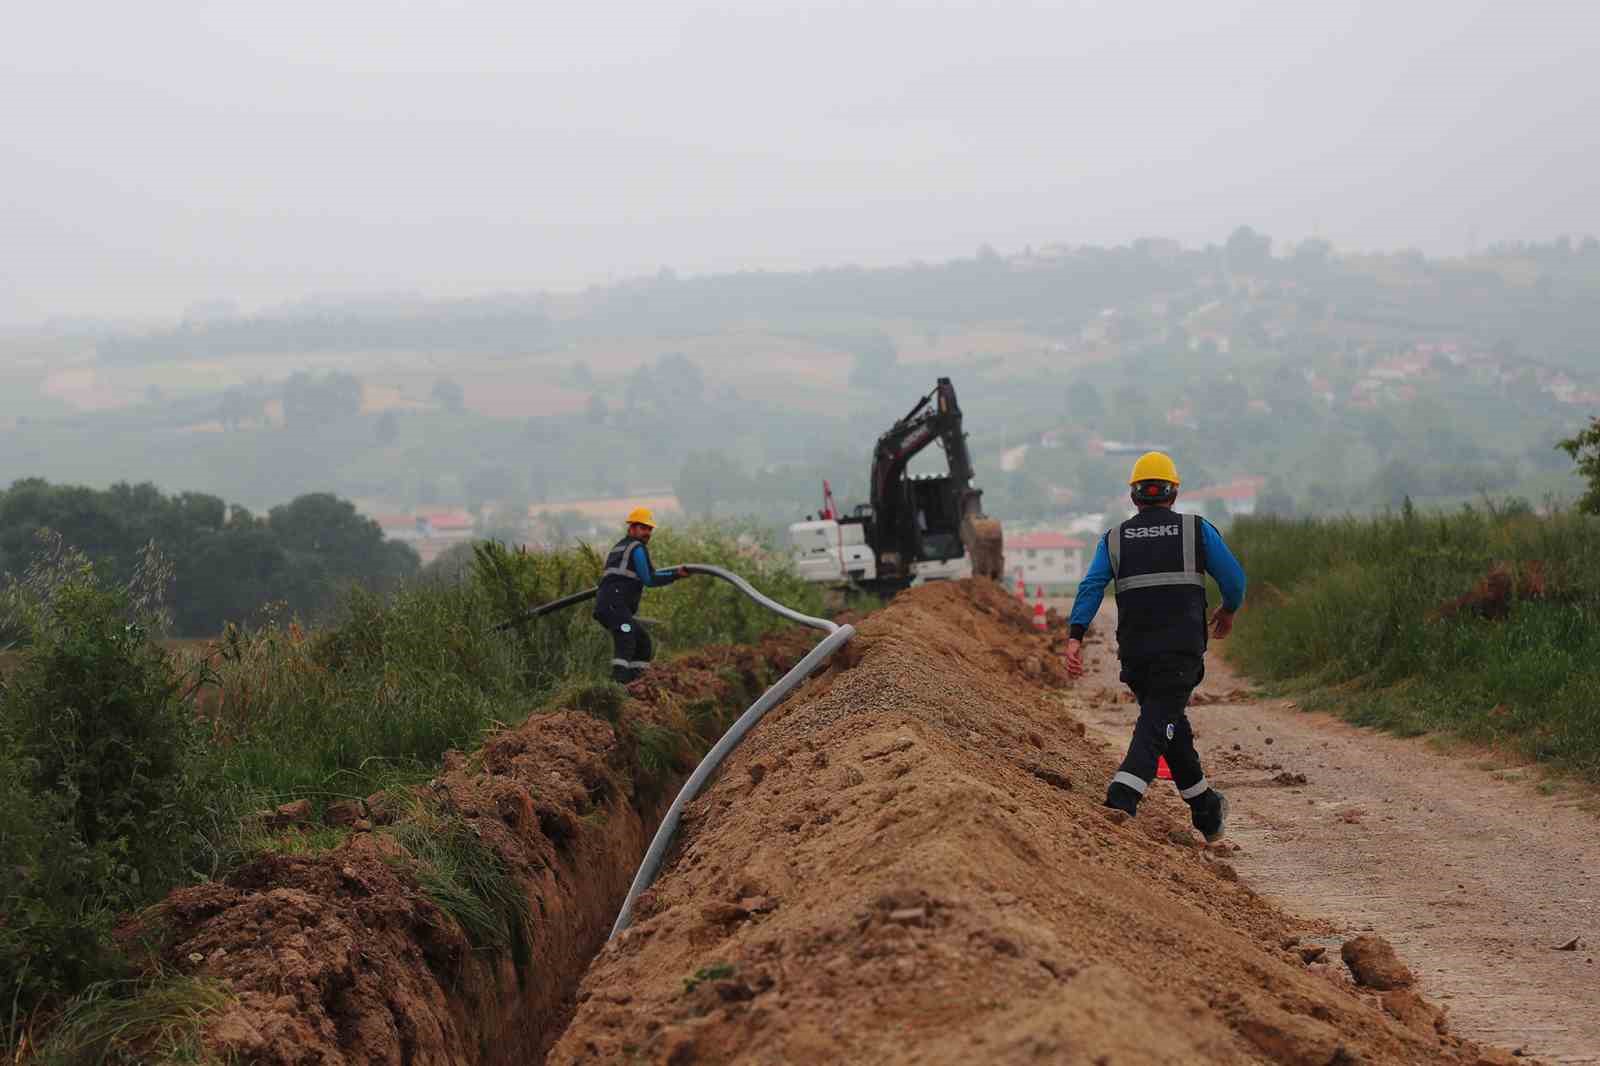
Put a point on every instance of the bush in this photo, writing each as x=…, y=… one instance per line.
x=103, y=756
x=96, y=810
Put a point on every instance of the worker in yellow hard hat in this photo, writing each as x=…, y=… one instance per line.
x=627, y=573
x=1156, y=563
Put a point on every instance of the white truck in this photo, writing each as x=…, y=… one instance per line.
x=835, y=551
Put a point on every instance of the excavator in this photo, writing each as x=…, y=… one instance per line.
x=915, y=529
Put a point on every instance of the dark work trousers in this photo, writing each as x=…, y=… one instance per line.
x=1162, y=686
x=631, y=647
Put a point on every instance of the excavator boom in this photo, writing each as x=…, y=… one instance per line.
x=914, y=528
x=908, y=513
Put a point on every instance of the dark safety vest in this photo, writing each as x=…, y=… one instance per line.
x=1158, y=572
x=618, y=581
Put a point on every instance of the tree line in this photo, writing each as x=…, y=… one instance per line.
x=227, y=563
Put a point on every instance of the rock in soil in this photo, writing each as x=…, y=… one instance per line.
x=1374, y=964
x=343, y=812
x=296, y=813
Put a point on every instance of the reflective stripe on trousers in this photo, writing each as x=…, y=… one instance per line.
x=1122, y=777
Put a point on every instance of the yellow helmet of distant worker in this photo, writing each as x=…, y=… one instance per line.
x=1154, y=466
x=642, y=516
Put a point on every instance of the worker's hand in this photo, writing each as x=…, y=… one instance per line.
x=684, y=571
x=1074, y=658
x=1221, y=623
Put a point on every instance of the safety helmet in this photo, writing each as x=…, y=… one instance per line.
x=1154, y=466
x=642, y=516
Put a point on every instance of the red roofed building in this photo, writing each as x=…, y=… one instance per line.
x=1044, y=558
x=1216, y=502
x=429, y=532
x=404, y=527
x=458, y=524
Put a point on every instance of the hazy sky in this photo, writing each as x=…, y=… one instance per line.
x=154, y=154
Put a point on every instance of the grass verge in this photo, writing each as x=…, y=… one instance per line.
x=155, y=1022
x=467, y=880
x=1479, y=624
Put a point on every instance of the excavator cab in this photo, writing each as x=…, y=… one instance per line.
x=936, y=521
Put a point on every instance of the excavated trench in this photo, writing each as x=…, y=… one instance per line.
x=354, y=956
x=905, y=863
x=909, y=863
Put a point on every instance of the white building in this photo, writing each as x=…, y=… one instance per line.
x=1049, y=559
x=1222, y=502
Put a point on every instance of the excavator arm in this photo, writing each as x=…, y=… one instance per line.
x=935, y=417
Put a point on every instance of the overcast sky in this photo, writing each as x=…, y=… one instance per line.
x=155, y=154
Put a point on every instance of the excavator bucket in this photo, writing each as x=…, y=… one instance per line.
x=985, y=546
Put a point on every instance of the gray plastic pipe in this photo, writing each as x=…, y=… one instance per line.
x=656, y=854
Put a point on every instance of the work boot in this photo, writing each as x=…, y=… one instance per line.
x=1124, y=798
x=1209, y=812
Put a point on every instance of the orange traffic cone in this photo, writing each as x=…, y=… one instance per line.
x=1038, y=612
x=1022, y=589
x=1163, y=771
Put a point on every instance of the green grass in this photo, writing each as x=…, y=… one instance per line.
x=156, y=1022
x=717, y=971
x=602, y=699
x=467, y=880
x=1346, y=614
x=658, y=749
x=377, y=698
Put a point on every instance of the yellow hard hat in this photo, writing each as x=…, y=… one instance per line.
x=1154, y=466
x=642, y=516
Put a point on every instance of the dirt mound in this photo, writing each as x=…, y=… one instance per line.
x=1493, y=594
x=908, y=863
x=360, y=954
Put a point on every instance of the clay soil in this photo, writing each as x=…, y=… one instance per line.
x=908, y=863
x=342, y=956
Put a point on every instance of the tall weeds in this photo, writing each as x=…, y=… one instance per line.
x=125, y=770
x=1366, y=606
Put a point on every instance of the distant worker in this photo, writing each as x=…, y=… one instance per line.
x=622, y=583
x=1155, y=563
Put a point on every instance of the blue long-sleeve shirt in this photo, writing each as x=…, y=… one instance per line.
x=1220, y=564
x=640, y=564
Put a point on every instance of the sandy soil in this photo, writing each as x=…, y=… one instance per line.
x=1475, y=878
x=908, y=863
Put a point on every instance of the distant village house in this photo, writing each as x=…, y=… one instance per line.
x=1045, y=558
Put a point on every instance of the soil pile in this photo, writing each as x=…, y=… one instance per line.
x=360, y=955
x=908, y=863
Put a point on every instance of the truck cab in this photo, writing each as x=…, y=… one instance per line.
x=833, y=549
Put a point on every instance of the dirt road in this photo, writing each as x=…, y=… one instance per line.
x=1475, y=878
